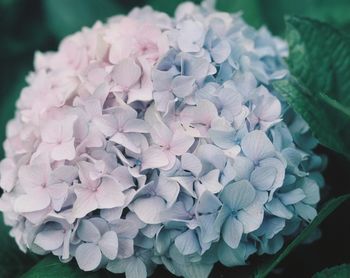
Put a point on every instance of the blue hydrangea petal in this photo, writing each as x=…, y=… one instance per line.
x=311, y=190
x=50, y=240
x=234, y=257
x=109, y=245
x=292, y=197
x=275, y=207
x=232, y=231
x=238, y=195
x=252, y=216
x=154, y=206
x=87, y=231
x=305, y=211
x=256, y=145
x=187, y=243
x=243, y=167
x=135, y=268
x=88, y=256
x=183, y=86
x=220, y=51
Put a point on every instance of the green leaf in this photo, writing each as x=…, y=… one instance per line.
x=339, y=271
x=250, y=9
x=51, y=267
x=319, y=88
x=65, y=16
x=334, y=12
x=327, y=209
x=13, y=262
x=167, y=6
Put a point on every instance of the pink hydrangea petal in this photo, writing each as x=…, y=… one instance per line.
x=37, y=200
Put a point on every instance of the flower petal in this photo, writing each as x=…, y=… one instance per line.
x=187, y=243
x=88, y=256
x=232, y=231
x=87, y=231
x=37, y=200
x=191, y=163
x=109, y=194
x=252, y=216
x=126, y=73
x=153, y=157
x=238, y=195
x=85, y=202
x=65, y=150
x=256, y=145
x=149, y=209
x=136, y=269
x=109, y=245
x=49, y=240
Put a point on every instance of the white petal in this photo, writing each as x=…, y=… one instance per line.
x=136, y=269
x=256, y=145
x=49, y=240
x=87, y=231
x=88, y=256
x=37, y=200
x=238, y=195
x=126, y=73
x=252, y=216
x=85, y=202
x=109, y=194
x=232, y=231
x=263, y=178
x=125, y=248
x=65, y=150
x=109, y=245
x=191, y=163
x=186, y=183
x=136, y=125
x=149, y=209
x=187, y=243
x=153, y=157
x=126, y=141
x=210, y=181
x=180, y=142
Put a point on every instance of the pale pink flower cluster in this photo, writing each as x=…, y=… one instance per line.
x=81, y=105
x=152, y=140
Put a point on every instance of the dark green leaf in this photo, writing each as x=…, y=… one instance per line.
x=250, y=9
x=319, y=88
x=65, y=16
x=12, y=261
x=327, y=209
x=334, y=12
x=339, y=271
x=167, y=6
x=51, y=267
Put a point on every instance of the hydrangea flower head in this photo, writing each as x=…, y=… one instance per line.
x=151, y=140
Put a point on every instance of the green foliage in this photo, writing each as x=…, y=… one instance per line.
x=65, y=16
x=339, y=271
x=167, y=6
x=319, y=88
x=327, y=210
x=51, y=267
x=334, y=12
x=250, y=9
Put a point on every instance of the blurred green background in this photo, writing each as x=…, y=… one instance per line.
x=27, y=26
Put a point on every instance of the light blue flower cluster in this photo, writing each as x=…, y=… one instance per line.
x=182, y=160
